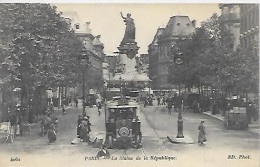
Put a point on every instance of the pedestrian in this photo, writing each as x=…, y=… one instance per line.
x=163, y=101
x=52, y=133
x=202, y=133
x=214, y=107
x=89, y=124
x=255, y=104
x=99, y=108
x=158, y=100
x=150, y=101
x=169, y=105
x=76, y=102
x=84, y=130
x=79, y=125
x=249, y=111
x=13, y=120
x=63, y=110
x=145, y=102
x=51, y=108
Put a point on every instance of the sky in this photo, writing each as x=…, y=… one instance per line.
x=106, y=19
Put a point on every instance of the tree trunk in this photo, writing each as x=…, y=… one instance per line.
x=59, y=97
x=66, y=91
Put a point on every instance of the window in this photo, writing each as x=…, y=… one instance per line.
x=77, y=26
x=188, y=24
x=178, y=24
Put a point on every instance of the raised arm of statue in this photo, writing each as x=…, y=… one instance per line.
x=122, y=15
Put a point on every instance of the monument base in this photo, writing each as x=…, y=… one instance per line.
x=129, y=48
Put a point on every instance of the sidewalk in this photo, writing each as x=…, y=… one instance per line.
x=253, y=127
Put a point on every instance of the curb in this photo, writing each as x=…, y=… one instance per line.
x=205, y=113
x=185, y=140
x=248, y=130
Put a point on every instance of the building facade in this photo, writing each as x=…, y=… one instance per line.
x=230, y=17
x=178, y=27
x=249, y=31
x=94, y=47
x=153, y=52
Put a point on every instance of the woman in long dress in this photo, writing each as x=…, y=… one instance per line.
x=202, y=133
x=130, y=28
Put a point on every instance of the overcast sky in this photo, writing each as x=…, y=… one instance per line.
x=106, y=20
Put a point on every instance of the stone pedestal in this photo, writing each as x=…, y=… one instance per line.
x=129, y=48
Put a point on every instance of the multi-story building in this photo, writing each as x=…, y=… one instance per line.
x=94, y=49
x=153, y=52
x=249, y=31
x=230, y=17
x=178, y=27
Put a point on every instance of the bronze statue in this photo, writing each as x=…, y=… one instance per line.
x=130, y=28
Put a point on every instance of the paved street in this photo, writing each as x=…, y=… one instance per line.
x=156, y=125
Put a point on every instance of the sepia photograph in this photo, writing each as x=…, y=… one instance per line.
x=129, y=84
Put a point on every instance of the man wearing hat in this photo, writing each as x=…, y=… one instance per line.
x=88, y=124
x=79, y=125
x=84, y=130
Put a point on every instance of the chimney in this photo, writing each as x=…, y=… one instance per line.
x=88, y=30
x=194, y=22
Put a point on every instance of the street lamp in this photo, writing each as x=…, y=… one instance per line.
x=84, y=57
x=178, y=60
x=120, y=79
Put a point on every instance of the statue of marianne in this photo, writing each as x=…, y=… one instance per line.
x=130, y=28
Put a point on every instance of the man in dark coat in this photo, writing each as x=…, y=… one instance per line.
x=163, y=100
x=84, y=133
x=76, y=102
x=79, y=125
x=169, y=105
x=158, y=100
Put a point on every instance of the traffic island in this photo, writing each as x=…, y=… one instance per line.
x=184, y=140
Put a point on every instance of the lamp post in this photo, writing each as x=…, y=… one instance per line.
x=178, y=60
x=84, y=57
x=120, y=79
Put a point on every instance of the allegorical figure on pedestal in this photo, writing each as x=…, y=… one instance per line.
x=130, y=28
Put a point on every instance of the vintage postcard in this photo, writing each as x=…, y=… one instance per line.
x=129, y=84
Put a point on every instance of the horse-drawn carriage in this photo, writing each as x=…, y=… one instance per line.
x=6, y=132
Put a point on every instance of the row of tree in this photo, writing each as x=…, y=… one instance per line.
x=208, y=59
x=37, y=48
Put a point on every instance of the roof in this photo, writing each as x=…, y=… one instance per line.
x=119, y=97
x=158, y=33
x=118, y=107
x=89, y=46
x=179, y=25
x=73, y=15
